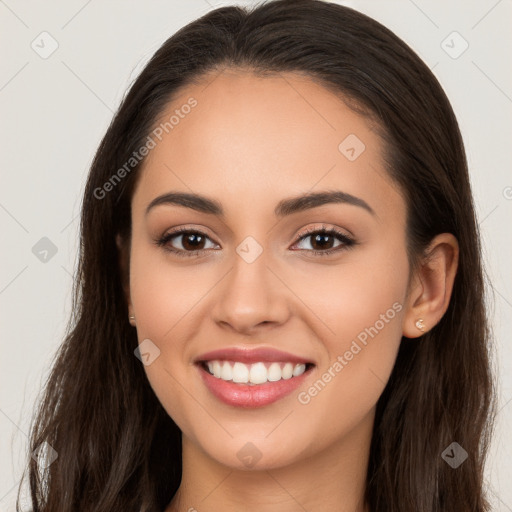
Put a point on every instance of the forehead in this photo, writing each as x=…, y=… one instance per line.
x=263, y=138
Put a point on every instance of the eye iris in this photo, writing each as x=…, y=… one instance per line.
x=321, y=236
x=194, y=245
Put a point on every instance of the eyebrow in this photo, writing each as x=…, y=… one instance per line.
x=284, y=208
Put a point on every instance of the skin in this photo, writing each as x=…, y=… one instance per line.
x=249, y=143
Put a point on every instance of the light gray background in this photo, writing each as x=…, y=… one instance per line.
x=55, y=110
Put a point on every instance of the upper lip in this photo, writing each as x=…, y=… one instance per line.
x=251, y=355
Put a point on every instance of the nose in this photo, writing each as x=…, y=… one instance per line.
x=251, y=297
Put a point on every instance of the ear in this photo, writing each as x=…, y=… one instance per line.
x=431, y=286
x=123, y=249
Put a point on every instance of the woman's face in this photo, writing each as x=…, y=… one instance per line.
x=249, y=144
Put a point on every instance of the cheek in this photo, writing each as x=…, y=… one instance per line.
x=351, y=295
x=362, y=303
x=161, y=293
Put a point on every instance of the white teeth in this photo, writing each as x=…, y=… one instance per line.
x=216, y=369
x=274, y=372
x=299, y=369
x=240, y=372
x=287, y=371
x=256, y=373
x=226, y=372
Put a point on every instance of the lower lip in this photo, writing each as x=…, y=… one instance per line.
x=243, y=395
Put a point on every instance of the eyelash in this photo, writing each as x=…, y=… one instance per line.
x=347, y=242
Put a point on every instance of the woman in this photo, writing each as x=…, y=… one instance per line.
x=280, y=300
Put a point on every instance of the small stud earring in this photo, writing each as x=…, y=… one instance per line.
x=132, y=318
x=420, y=325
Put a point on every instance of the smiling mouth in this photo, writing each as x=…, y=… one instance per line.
x=255, y=374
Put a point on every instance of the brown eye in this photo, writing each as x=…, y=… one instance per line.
x=192, y=242
x=322, y=241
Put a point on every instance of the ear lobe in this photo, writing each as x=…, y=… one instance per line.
x=430, y=294
x=124, y=267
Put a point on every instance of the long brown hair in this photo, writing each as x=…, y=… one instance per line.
x=118, y=449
